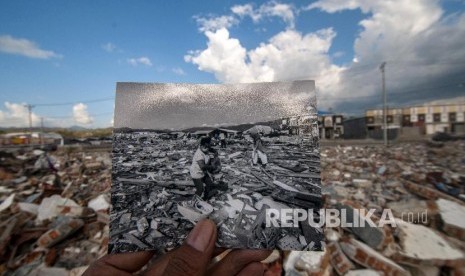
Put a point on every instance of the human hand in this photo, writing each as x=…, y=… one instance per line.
x=192, y=258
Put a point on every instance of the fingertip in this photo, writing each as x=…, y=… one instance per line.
x=202, y=236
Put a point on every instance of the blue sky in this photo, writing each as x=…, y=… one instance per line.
x=75, y=51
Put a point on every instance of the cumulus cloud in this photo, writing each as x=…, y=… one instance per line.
x=81, y=115
x=24, y=47
x=423, y=47
x=17, y=115
x=289, y=55
x=212, y=23
x=284, y=11
x=142, y=60
x=405, y=34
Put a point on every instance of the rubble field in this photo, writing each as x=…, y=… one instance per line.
x=423, y=184
x=152, y=193
x=54, y=219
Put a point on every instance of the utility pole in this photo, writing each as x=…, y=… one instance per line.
x=41, y=130
x=385, y=131
x=29, y=109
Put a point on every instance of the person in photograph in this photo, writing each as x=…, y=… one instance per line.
x=258, y=152
x=222, y=140
x=200, y=168
x=184, y=139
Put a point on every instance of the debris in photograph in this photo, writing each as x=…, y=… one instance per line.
x=184, y=152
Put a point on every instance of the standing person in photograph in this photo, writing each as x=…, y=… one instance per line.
x=222, y=140
x=258, y=153
x=200, y=167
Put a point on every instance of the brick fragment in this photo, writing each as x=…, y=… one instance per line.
x=338, y=259
x=420, y=245
x=354, y=249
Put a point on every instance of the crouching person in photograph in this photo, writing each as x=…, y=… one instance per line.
x=258, y=153
x=200, y=168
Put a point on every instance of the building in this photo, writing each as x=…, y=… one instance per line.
x=428, y=118
x=330, y=126
x=34, y=138
x=355, y=128
x=300, y=125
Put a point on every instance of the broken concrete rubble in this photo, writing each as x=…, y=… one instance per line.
x=49, y=207
x=406, y=178
x=47, y=215
x=374, y=236
x=370, y=258
x=420, y=245
x=453, y=218
x=412, y=162
x=99, y=203
x=364, y=272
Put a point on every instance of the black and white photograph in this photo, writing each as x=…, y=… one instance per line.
x=227, y=152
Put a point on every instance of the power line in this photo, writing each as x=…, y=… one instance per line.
x=72, y=103
x=70, y=116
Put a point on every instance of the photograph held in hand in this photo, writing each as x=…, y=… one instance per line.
x=229, y=153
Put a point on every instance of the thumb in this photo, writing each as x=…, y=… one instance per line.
x=193, y=257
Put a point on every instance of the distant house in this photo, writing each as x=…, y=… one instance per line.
x=35, y=138
x=201, y=133
x=177, y=134
x=331, y=126
x=50, y=138
x=429, y=118
x=16, y=138
x=354, y=128
x=229, y=133
x=266, y=130
x=300, y=125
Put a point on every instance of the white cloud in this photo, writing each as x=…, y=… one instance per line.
x=178, y=71
x=412, y=37
x=214, y=23
x=17, y=115
x=286, y=56
x=224, y=56
x=246, y=10
x=81, y=115
x=109, y=47
x=142, y=60
x=284, y=11
x=422, y=47
x=24, y=47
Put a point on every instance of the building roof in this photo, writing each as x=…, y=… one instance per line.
x=228, y=130
x=202, y=132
